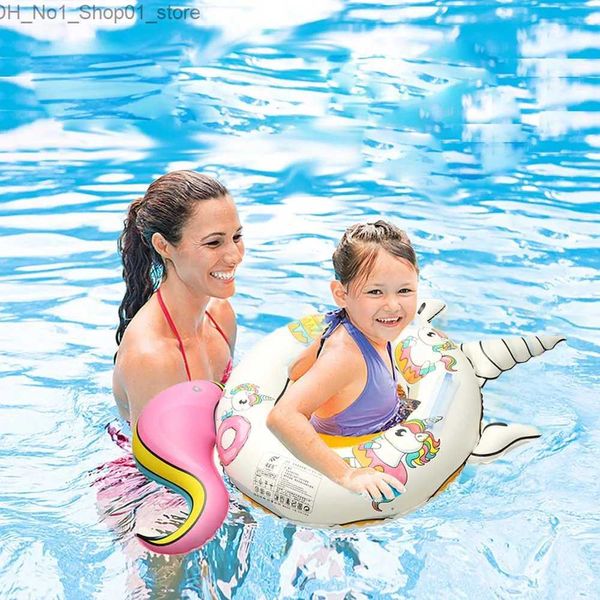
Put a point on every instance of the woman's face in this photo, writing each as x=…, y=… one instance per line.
x=210, y=249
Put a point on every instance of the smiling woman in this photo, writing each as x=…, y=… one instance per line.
x=180, y=247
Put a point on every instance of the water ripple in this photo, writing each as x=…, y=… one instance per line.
x=471, y=124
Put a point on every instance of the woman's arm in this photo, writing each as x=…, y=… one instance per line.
x=123, y=408
x=289, y=420
x=144, y=374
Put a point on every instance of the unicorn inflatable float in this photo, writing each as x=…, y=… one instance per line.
x=444, y=431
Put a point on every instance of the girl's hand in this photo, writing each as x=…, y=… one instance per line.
x=369, y=481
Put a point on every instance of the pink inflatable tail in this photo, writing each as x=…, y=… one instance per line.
x=173, y=444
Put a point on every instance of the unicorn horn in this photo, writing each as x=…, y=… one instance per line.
x=431, y=421
x=491, y=358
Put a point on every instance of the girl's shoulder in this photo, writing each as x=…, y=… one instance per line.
x=341, y=341
x=304, y=361
x=341, y=352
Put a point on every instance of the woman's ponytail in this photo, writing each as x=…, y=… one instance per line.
x=137, y=258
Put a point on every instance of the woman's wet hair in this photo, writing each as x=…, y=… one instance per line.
x=165, y=209
x=357, y=251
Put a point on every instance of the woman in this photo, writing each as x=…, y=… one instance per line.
x=180, y=246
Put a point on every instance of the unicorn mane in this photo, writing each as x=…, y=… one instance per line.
x=429, y=448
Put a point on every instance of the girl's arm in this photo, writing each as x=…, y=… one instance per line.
x=289, y=421
x=304, y=362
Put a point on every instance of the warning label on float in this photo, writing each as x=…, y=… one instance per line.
x=286, y=483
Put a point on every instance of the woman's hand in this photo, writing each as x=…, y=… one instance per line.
x=375, y=483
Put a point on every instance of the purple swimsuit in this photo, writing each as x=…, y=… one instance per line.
x=378, y=406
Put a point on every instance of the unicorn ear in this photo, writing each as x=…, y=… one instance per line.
x=429, y=309
x=421, y=437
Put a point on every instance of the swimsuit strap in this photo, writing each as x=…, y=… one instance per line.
x=389, y=349
x=368, y=349
x=171, y=323
x=218, y=328
x=333, y=319
x=174, y=330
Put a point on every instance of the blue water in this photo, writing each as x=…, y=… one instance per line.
x=474, y=125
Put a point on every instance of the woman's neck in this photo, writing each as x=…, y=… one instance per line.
x=186, y=308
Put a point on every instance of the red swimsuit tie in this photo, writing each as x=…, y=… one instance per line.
x=174, y=330
x=165, y=310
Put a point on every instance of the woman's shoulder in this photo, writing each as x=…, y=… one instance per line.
x=221, y=308
x=224, y=315
x=143, y=342
x=144, y=366
x=141, y=353
x=143, y=370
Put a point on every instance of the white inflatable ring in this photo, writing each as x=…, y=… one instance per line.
x=442, y=379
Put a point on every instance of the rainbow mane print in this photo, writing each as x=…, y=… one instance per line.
x=429, y=448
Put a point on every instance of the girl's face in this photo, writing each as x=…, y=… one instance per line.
x=384, y=303
x=210, y=249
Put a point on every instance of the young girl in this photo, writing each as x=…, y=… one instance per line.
x=345, y=383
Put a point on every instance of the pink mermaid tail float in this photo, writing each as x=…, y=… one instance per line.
x=173, y=444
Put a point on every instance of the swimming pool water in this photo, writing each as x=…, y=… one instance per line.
x=473, y=125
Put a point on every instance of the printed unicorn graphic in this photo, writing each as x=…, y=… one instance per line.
x=308, y=329
x=409, y=443
x=416, y=360
x=244, y=397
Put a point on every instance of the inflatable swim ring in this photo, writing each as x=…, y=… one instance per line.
x=425, y=452
x=443, y=381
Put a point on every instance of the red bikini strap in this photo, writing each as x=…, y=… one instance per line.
x=174, y=330
x=218, y=328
